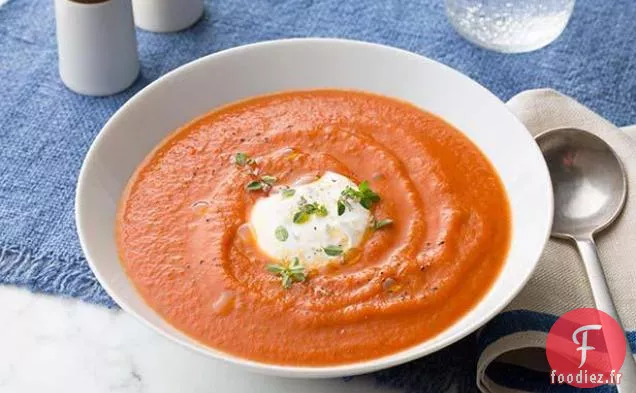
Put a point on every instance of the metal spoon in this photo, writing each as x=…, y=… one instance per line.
x=590, y=188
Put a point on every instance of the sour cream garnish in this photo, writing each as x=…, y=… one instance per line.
x=308, y=240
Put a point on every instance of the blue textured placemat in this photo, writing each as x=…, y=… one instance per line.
x=45, y=130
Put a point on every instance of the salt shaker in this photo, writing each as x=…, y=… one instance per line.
x=164, y=16
x=97, y=47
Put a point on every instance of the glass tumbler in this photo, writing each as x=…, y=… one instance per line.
x=510, y=26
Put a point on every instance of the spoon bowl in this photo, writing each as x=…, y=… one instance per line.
x=588, y=179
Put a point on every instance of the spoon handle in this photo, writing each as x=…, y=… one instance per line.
x=603, y=300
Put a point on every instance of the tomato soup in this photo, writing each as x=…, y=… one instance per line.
x=314, y=227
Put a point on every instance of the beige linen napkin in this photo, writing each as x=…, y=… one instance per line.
x=559, y=283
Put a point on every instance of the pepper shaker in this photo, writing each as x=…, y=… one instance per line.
x=164, y=16
x=97, y=47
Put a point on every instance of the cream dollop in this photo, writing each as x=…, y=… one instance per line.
x=278, y=236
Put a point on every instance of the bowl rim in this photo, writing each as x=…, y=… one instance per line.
x=328, y=371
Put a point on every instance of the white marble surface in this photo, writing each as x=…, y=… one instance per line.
x=57, y=345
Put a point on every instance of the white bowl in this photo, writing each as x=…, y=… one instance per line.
x=223, y=77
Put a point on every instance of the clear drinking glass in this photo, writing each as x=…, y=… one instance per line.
x=510, y=26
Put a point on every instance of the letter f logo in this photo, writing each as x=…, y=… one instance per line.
x=583, y=344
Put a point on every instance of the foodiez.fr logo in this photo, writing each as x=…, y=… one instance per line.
x=586, y=348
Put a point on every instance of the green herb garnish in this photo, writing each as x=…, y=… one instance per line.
x=321, y=211
x=332, y=251
x=293, y=272
x=269, y=180
x=264, y=183
x=288, y=192
x=300, y=217
x=242, y=159
x=254, y=186
x=306, y=209
x=281, y=233
x=341, y=207
x=368, y=197
x=377, y=224
x=363, y=195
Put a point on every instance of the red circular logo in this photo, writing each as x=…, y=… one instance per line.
x=586, y=348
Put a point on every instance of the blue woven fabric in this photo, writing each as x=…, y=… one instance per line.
x=45, y=130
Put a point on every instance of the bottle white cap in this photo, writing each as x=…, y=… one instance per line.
x=164, y=16
x=97, y=47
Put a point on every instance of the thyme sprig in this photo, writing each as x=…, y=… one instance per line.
x=290, y=273
x=306, y=209
x=263, y=182
x=379, y=224
x=363, y=195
